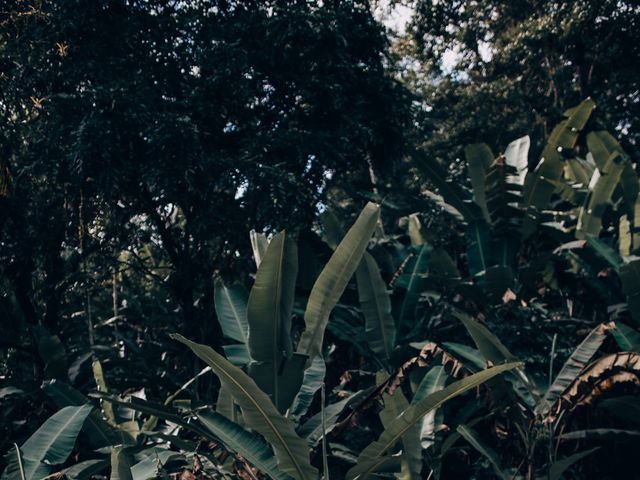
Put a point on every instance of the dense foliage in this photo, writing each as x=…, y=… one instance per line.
x=232, y=246
x=493, y=71
x=143, y=139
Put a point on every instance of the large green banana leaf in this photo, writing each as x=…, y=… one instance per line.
x=602, y=144
x=480, y=249
x=603, y=184
x=120, y=465
x=259, y=244
x=269, y=316
x=375, y=304
x=490, y=346
x=539, y=183
x=517, y=156
x=627, y=338
x=503, y=195
x=494, y=351
x=434, y=380
x=259, y=413
x=579, y=359
x=251, y=446
x=51, y=444
x=479, y=158
x=373, y=456
x=150, y=466
x=99, y=432
x=411, y=459
x=231, y=310
x=334, y=278
x=450, y=191
x=311, y=383
x=413, y=280
x=86, y=470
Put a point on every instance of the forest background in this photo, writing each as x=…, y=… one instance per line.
x=142, y=141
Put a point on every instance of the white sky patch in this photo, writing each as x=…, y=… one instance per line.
x=395, y=18
x=449, y=59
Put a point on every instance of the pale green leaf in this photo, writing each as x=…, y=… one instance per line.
x=375, y=304
x=259, y=413
x=231, y=310
x=251, y=446
x=334, y=278
x=578, y=360
x=377, y=452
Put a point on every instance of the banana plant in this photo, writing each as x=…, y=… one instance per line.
x=544, y=420
x=50, y=445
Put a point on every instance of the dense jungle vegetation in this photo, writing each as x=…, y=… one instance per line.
x=327, y=239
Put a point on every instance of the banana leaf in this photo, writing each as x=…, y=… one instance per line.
x=150, y=466
x=479, y=249
x=334, y=279
x=101, y=383
x=605, y=251
x=434, y=380
x=627, y=338
x=578, y=360
x=413, y=280
x=99, y=432
x=120, y=465
x=517, y=156
x=269, y=316
x=85, y=470
x=311, y=383
x=625, y=239
x=374, y=455
x=538, y=185
x=231, y=310
x=259, y=245
x=479, y=158
x=601, y=434
x=411, y=458
x=375, y=304
x=259, y=413
x=451, y=192
x=415, y=230
x=602, y=144
x=442, y=268
x=50, y=445
x=600, y=196
x=490, y=346
x=251, y=446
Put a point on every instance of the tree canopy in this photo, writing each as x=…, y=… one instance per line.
x=493, y=71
